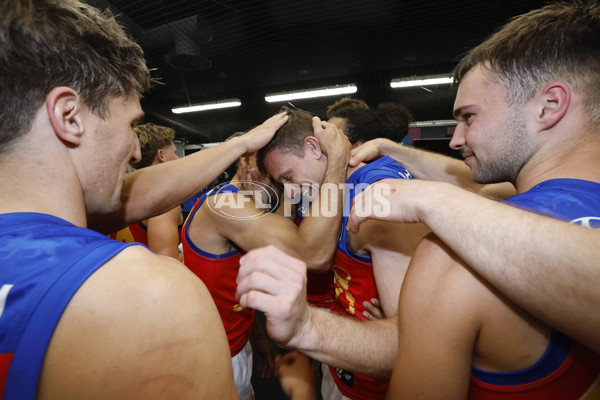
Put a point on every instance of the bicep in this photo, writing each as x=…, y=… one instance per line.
x=250, y=227
x=391, y=246
x=163, y=233
x=437, y=327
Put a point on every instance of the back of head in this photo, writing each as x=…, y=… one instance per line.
x=50, y=43
x=152, y=138
x=394, y=119
x=559, y=42
x=343, y=103
x=289, y=138
x=361, y=125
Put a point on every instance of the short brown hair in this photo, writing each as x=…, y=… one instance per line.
x=395, y=120
x=560, y=41
x=343, y=103
x=289, y=138
x=49, y=43
x=152, y=138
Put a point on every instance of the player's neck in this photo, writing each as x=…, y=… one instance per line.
x=42, y=193
x=41, y=180
x=572, y=160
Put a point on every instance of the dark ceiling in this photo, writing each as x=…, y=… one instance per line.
x=207, y=50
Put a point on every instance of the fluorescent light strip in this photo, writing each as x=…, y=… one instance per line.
x=307, y=94
x=422, y=81
x=440, y=122
x=208, y=106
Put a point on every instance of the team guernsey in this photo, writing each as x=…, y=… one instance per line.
x=137, y=232
x=219, y=273
x=44, y=261
x=354, y=281
x=567, y=370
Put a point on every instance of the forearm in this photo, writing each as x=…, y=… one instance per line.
x=151, y=191
x=369, y=347
x=317, y=236
x=432, y=166
x=548, y=267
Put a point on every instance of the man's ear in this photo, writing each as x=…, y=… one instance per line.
x=65, y=108
x=312, y=147
x=159, y=156
x=551, y=104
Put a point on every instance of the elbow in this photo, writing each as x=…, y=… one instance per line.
x=320, y=263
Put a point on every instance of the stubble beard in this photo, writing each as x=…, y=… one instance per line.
x=513, y=150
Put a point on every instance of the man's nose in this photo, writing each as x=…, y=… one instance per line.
x=458, y=138
x=136, y=155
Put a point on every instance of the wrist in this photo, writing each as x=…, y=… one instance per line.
x=433, y=201
x=306, y=339
x=338, y=163
x=238, y=146
x=389, y=147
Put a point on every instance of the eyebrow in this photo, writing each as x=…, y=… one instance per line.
x=460, y=110
x=278, y=177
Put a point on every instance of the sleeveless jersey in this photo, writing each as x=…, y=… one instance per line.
x=44, y=261
x=354, y=280
x=567, y=370
x=219, y=274
x=137, y=232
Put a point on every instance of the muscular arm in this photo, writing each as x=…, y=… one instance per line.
x=151, y=191
x=275, y=283
x=142, y=326
x=431, y=166
x=163, y=233
x=242, y=223
x=531, y=259
x=236, y=218
x=390, y=245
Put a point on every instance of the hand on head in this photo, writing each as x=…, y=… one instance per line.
x=331, y=139
x=258, y=137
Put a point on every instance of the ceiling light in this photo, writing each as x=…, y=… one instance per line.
x=422, y=81
x=207, y=106
x=307, y=94
x=440, y=122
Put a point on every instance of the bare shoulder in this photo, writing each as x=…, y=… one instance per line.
x=501, y=336
x=142, y=326
x=437, y=273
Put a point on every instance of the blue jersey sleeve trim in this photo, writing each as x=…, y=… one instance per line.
x=383, y=168
x=558, y=348
x=227, y=188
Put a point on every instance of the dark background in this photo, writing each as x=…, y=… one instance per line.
x=208, y=50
